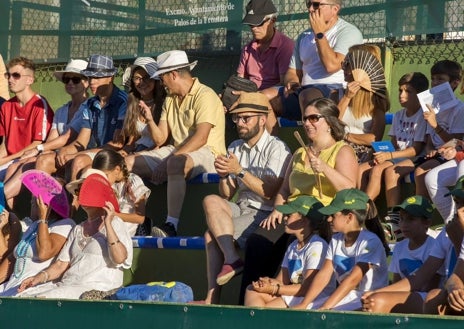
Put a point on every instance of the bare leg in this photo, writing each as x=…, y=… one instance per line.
x=375, y=180
x=392, y=178
x=13, y=186
x=307, y=95
x=436, y=302
x=138, y=165
x=178, y=168
x=47, y=162
x=419, y=176
x=80, y=162
x=395, y=301
x=214, y=261
x=260, y=299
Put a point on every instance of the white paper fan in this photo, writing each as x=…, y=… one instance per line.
x=368, y=71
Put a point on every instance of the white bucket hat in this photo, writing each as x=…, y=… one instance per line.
x=74, y=66
x=172, y=60
x=73, y=186
x=147, y=63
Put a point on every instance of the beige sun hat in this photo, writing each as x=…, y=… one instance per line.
x=74, y=66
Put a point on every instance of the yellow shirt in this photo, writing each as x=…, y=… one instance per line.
x=302, y=179
x=200, y=105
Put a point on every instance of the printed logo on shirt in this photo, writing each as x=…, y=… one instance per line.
x=113, y=121
x=19, y=119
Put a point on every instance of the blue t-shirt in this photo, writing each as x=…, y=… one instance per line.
x=104, y=121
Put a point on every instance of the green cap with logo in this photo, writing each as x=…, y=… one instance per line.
x=347, y=199
x=307, y=206
x=416, y=205
x=458, y=189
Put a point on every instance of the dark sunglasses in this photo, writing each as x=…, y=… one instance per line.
x=244, y=119
x=316, y=4
x=74, y=80
x=15, y=75
x=262, y=23
x=313, y=118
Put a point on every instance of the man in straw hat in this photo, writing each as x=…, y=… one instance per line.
x=253, y=167
x=26, y=118
x=194, y=118
x=102, y=118
x=315, y=67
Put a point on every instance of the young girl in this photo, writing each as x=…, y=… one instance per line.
x=409, y=255
x=131, y=192
x=302, y=260
x=356, y=256
x=407, y=135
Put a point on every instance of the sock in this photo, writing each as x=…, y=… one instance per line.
x=174, y=221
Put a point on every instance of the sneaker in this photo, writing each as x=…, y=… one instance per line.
x=392, y=229
x=166, y=230
x=228, y=271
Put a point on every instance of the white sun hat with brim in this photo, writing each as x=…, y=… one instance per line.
x=146, y=63
x=74, y=66
x=171, y=61
x=74, y=186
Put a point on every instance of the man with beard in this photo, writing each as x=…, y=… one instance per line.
x=253, y=169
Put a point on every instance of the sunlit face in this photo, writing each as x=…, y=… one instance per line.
x=263, y=31
x=247, y=124
x=293, y=222
x=19, y=78
x=75, y=84
x=326, y=9
x=337, y=221
x=142, y=82
x=314, y=123
x=407, y=97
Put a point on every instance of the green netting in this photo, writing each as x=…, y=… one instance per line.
x=52, y=31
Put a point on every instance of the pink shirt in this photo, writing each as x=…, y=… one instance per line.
x=265, y=69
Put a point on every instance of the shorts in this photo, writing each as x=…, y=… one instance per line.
x=291, y=105
x=203, y=158
x=246, y=220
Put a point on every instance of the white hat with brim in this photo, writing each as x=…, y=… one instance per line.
x=74, y=66
x=148, y=64
x=171, y=61
x=74, y=186
x=100, y=66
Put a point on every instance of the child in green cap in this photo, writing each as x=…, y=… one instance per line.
x=302, y=260
x=356, y=256
x=409, y=255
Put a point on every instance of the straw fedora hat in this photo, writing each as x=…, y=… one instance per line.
x=74, y=66
x=172, y=60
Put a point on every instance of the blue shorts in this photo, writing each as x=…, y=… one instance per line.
x=291, y=105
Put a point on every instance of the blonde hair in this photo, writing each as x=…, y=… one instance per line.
x=364, y=102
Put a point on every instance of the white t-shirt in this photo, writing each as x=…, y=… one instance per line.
x=362, y=125
x=451, y=120
x=405, y=261
x=408, y=130
x=29, y=264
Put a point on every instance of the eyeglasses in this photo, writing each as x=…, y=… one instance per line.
x=15, y=75
x=316, y=4
x=244, y=119
x=141, y=79
x=313, y=118
x=262, y=23
x=75, y=80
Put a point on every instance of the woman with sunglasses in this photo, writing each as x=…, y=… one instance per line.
x=43, y=156
x=325, y=167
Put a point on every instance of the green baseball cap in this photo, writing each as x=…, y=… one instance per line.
x=457, y=189
x=346, y=199
x=304, y=204
x=417, y=206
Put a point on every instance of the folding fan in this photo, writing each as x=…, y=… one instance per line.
x=368, y=71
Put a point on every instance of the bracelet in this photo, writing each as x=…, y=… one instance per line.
x=44, y=221
x=438, y=129
x=115, y=242
x=46, y=276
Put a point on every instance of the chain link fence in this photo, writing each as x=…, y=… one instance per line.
x=53, y=31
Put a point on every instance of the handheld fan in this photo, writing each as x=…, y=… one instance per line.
x=368, y=71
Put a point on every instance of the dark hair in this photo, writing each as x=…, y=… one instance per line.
x=416, y=80
x=109, y=160
x=451, y=68
x=330, y=111
x=370, y=219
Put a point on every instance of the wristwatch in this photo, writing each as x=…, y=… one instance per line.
x=319, y=35
x=241, y=174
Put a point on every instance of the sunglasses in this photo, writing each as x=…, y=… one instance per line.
x=313, y=118
x=15, y=75
x=316, y=4
x=74, y=80
x=141, y=79
x=262, y=23
x=244, y=119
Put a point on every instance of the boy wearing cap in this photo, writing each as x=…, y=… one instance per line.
x=302, y=260
x=356, y=256
x=408, y=256
x=102, y=118
x=26, y=118
x=193, y=117
x=253, y=168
